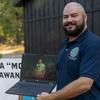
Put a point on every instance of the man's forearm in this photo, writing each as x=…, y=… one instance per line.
x=73, y=89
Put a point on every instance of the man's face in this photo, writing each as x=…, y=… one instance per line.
x=40, y=61
x=73, y=21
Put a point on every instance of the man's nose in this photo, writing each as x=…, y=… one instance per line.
x=69, y=19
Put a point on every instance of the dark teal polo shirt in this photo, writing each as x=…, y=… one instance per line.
x=80, y=58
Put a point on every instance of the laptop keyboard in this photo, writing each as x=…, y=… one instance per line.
x=29, y=88
x=32, y=86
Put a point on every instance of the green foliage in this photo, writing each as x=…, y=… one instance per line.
x=11, y=19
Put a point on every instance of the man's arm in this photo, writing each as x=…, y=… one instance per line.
x=75, y=88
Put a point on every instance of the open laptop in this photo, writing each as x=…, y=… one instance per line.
x=38, y=74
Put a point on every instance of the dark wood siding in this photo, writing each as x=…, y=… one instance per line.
x=43, y=23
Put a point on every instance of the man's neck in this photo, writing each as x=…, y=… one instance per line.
x=72, y=38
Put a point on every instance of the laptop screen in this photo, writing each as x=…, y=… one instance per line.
x=35, y=67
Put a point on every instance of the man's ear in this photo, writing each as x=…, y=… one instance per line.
x=85, y=17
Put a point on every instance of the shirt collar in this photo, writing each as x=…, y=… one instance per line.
x=82, y=35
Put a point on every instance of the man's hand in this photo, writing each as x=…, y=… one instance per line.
x=44, y=96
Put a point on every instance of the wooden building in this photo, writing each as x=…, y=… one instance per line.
x=43, y=23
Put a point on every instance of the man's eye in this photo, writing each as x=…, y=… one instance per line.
x=65, y=16
x=74, y=15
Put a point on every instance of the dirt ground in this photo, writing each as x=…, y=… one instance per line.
x=11, y=49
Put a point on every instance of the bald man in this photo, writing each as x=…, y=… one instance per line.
x=78, y=64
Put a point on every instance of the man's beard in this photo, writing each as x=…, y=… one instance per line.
x=74, y=32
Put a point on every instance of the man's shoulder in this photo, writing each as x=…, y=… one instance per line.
x=91, y=41
x=92, y=38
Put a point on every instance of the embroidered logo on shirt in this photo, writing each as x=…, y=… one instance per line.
x=74, y=53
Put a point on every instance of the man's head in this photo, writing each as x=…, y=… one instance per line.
x=40, y=61
x=74, y=19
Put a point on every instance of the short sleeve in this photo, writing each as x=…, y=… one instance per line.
x=90, y=61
